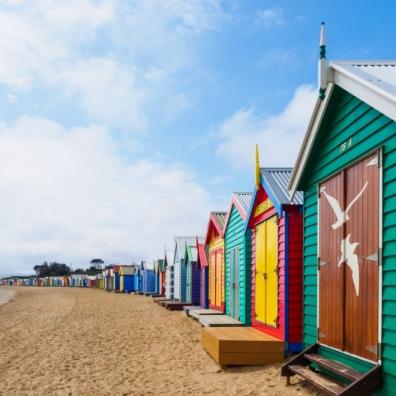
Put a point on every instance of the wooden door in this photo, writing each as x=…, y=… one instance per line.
x=271, y=270
x=234, y=283
x=266, y=288
x=219, y=282
x=188, y=282
x=260, y=273
x=349, y=259
x=212, y=278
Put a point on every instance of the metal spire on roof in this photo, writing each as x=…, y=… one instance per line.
x=322, y=66
x=257, y=167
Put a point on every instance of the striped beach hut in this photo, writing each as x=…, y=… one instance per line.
x=275, y=224
x=179, y=268
x=204, y=276
x=169, y=281
x=237, y=259
x=193, y=273
x=214, y=244
x=127, y=278
x=347, y=170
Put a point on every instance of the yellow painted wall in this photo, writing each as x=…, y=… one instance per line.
x=214, y=245
x=266, y=292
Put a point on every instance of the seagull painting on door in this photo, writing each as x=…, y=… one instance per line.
x=348, y=247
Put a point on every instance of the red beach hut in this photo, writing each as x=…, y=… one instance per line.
x=203, y=265
x=275, y=223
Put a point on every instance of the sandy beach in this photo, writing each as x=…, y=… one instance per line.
x=6, y=294
x=67, y=341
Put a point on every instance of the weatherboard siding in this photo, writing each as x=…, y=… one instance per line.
x=235, y=238
x=349, y=118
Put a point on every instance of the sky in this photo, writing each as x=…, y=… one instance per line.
x=125, y=122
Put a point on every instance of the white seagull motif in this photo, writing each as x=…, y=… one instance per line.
x=342, y=216
x=349, y=257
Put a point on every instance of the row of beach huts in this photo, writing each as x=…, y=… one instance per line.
x=304, y=265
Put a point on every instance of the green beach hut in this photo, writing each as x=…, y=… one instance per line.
x=237, y=259
x=347, y=171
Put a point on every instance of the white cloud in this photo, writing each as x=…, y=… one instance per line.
x=279, y=136
x=270, y=17
x=64, y=45
x=68, y=195
x=107, y=91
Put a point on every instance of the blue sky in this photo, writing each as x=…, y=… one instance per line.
x=123, y=123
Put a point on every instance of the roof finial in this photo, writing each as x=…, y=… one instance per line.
x=322, y=73
x=257, y=167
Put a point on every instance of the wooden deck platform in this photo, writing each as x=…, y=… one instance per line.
x=161, y=300
x=196, y=312
x=175, y=305
x=218, y=321
x=188, y=308
x=241, y=346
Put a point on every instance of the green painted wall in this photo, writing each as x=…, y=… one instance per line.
x=235, y=237
x=349, y=118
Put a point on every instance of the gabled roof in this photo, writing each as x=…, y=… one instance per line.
x=373, y=82
x=168, y=258
x=181, y=242
x=191, y=253
x=202, y=258
x=127, y=269
x=220, y=218
x=275, y=183
x=216, y=222
x=244, y=199
x=241, y=201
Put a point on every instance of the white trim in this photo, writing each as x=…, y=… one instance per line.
x=306, y=147
x=376, y=97
x=360, y=86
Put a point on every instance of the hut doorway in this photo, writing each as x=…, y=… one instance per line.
x=234, y=283
x=266, y=292
x=349, y=259
x=216, y=276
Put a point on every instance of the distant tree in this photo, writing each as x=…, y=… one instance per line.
x=52, y=269
x=97, y=263
x=79, y=271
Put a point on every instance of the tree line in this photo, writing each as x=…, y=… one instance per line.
x=60, y=269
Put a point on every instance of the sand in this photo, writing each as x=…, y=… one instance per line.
x=6, y=294
x=68, y=341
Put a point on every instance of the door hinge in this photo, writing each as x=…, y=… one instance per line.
x=265, y=275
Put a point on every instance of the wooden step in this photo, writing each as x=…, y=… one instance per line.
x=335, y=367
x=318, y=380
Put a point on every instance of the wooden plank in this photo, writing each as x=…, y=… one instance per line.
x=317, y=380
x=244, y=339
x=187, y=308
x=249, y=359
x=195, y=313
x=218, y=320
x=335, y=367
x=236, y=350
